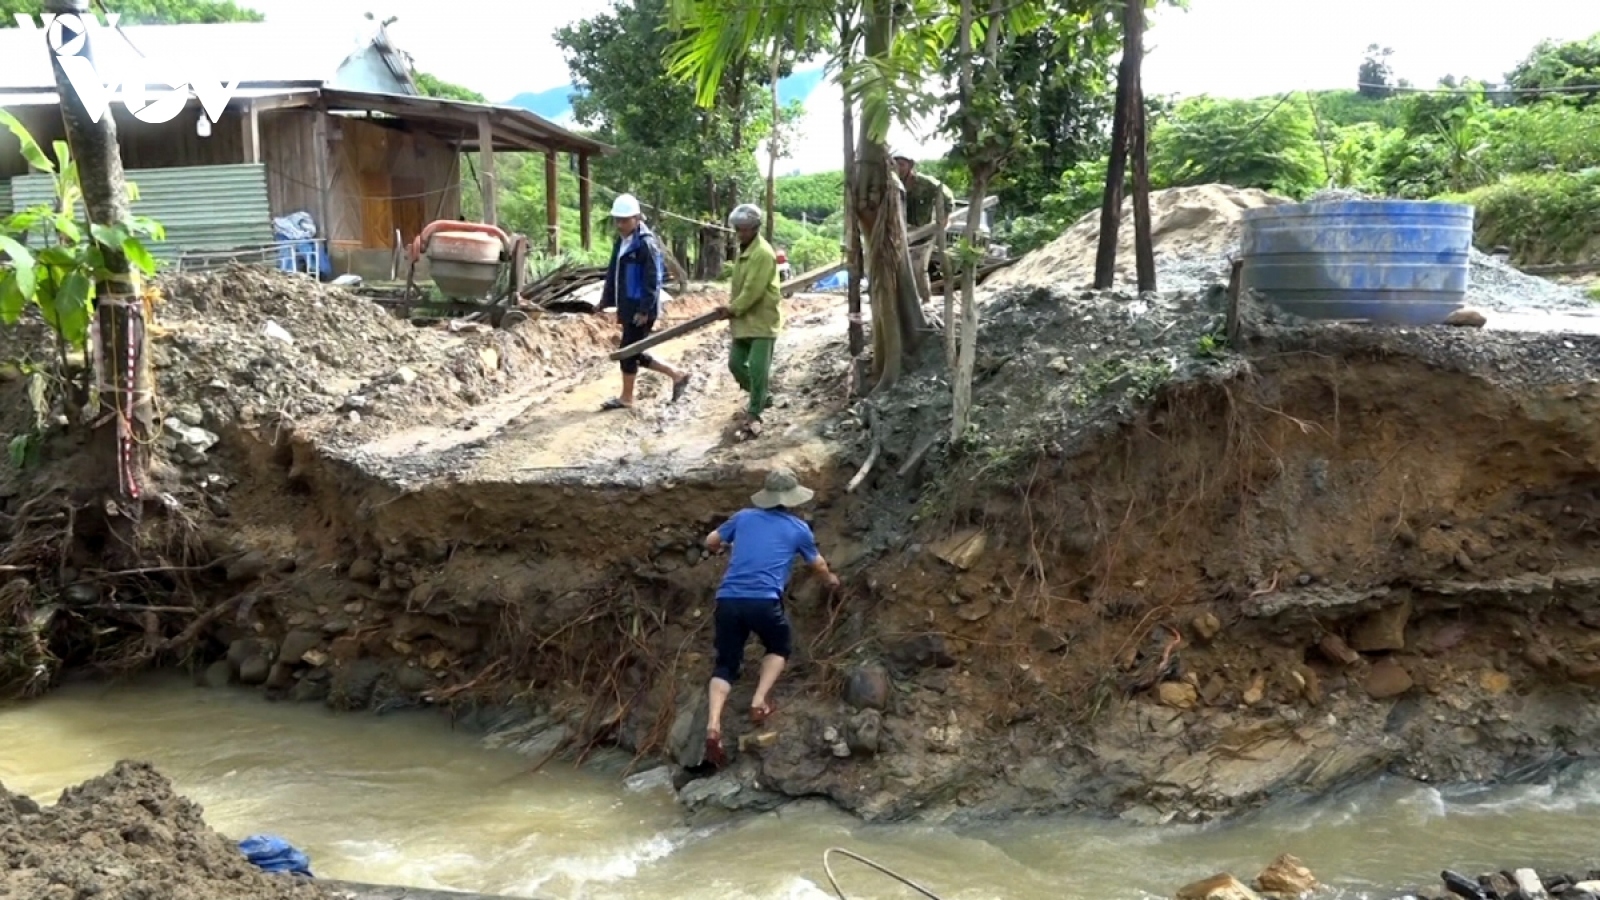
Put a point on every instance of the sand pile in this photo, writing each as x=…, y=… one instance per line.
x=127, y=836
x=1194, y=229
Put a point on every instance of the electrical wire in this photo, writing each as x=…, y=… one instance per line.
x=1485, y=89
x=827, y=867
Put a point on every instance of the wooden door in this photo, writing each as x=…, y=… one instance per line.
x=409, y=209
x=377, y=215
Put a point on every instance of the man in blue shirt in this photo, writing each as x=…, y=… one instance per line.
x=633, y=285
x=765, y=540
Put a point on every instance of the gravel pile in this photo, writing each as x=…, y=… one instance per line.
x=1196, y=236
x=127, y=836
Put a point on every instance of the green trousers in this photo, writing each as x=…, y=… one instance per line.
x=751, y=365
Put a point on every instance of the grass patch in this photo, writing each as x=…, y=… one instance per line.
x=1542, y=218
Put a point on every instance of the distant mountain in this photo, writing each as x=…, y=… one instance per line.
x=557, y=102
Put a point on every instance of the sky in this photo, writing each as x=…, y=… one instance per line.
x=1230, y=48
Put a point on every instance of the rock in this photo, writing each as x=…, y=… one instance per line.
x=217, y=675
x=255, y=670
x=297, y=643
x=686, y=739
x=841, y=750
x=1286, y=875
x=922, y=652
x=1384, y=630
x=962, y=550
x=241, y=650
x=766, y=740
x=865, y=732
x=1500, y=885
x=1337, y=651
x=249, y=567
x=411, y=680
x=1494, y=682
x=404, y=375
x=354, y=685
x=976, y=611
x=281, y=676
x=1462, y=886
x=1529, y=885
x=1466, y=318
x=1206, y=627
x=363, y=571
x=867, y=687
x=1388, y=679
x=1178, y=694
x=1047, y=641
x=189, y=414
x=1217, y=887
x=1256, y=692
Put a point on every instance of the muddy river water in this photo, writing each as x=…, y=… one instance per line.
x=404, y=799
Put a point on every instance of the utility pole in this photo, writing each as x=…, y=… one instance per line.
x=772, y=142
x=120, y=435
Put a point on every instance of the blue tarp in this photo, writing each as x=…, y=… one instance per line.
x=271, y=853
x=838, y=281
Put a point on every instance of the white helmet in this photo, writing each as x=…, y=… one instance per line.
x=899, y=153
x=745, y=215
x=626, y=206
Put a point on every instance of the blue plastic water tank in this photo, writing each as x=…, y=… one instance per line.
x=1392, y=262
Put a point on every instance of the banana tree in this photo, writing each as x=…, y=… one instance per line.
x=883, y=52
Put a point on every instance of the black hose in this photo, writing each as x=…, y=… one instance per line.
x=827, y=867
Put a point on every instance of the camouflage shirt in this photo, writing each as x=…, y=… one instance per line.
x=922, y=192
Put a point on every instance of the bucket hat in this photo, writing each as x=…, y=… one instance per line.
x=782, y=488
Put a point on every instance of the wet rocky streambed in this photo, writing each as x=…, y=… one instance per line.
x=405, y=799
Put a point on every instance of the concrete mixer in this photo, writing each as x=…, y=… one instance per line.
x=477, y=267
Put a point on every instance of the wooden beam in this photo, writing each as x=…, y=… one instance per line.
x=806, y=279
x=552, y=204
x=585, y=202
x=486, y=180
x=676, y=331
x=250, y=121
x=319, y=150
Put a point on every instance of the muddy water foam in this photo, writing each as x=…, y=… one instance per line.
x=403, y=799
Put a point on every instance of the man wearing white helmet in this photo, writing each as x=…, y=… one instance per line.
x=922, y=202
x=755, y=314
x=634, y=278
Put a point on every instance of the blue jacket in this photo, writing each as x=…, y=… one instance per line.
x=634, y=277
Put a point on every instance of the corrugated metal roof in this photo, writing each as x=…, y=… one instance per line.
x=13, y=99
x=515, y=128
x=246, y=52
x=201, y=207
x=5, y=196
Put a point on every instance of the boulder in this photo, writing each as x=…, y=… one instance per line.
x=1388, y=679
x=865, y=732
x=1384, y=630
x=363, y=571
x=1217, y=887
x=297, y=643
x=255, y=670
x=1286, y=875
x=867, y=687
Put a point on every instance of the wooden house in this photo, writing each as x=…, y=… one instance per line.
x=320, y=123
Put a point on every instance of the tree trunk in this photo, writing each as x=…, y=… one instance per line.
x=1105, y=262
x=947, y=279
x=122, y=439
x=967, y=354
x=852, y=233
x=772, y=146
x=898, y=322
x=1143, y=241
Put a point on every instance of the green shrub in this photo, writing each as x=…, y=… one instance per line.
x=1542, y=217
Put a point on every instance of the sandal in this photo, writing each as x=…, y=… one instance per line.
x=680, y=387
x=760, y=714
x=716, y=754
x=614, y=403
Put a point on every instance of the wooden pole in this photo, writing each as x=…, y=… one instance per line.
x=941, y=242
x=772, y=144
x=673, y=333
x=486, y=179
x=585, y=203
x=122, y=438
x=250, y=121
x=552, y=204
x=1105, y=261
x=1143, y=240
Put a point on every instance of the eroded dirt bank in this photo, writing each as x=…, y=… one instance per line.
x=1159, y=577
